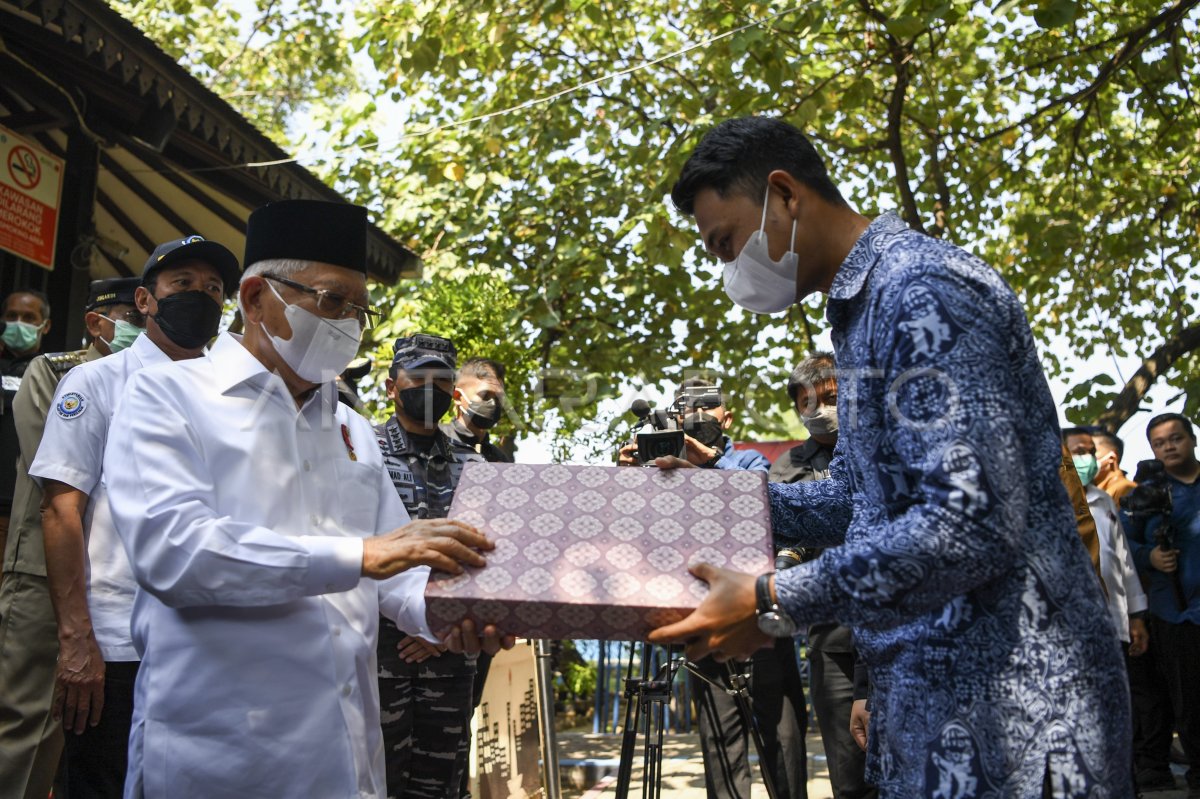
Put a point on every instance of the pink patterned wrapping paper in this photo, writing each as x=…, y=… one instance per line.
x=598, y=551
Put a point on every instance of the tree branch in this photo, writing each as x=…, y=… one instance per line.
x=1127, y=402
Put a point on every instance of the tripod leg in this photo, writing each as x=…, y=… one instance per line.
x=741, y=698
x=633, y=713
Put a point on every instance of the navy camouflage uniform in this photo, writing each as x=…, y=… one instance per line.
x=426, y=707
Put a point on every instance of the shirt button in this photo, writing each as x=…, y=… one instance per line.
x=346, y=689
x=337, y=631
x=307, y=466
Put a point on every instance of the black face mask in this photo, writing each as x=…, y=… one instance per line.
x=189, y=318
x=704, y=428
x=484, y=414
x=425, y=405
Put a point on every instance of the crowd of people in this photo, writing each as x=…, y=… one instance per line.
x=214, y=565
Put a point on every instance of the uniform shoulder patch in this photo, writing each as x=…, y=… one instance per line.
x=71, y=405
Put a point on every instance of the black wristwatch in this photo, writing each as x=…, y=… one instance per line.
x=772, y=619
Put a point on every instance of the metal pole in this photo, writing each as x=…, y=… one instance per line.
x=545, y=690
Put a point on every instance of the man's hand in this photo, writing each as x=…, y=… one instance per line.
x=441, y=544
x=669, y=462
x=1139, y=638
x=463, y=640
x=78, y=683
x=414, y=649
x=1165, y=560
x=860, y=719
x=628, y=455
x=725, y=624
x=696, y=453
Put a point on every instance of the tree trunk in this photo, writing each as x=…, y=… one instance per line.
x=1126, y=403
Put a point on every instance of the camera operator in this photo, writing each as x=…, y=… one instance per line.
x=812, y=388
x=1174, y=620
x=776, y=690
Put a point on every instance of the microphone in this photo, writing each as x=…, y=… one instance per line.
x=639, y=408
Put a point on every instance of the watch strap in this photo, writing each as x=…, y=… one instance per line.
x=762, y=593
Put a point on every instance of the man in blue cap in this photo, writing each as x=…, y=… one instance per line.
x=425, y=693
x=30, y=742
x=183, y=285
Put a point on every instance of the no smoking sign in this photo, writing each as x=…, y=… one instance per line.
x=24, y=167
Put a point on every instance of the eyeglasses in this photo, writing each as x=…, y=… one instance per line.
x=332, y=304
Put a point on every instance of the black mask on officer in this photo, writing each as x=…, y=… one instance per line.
x=189, y=318
x=705, y=428
x=425, y=404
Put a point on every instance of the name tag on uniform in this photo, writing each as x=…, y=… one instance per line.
x=10, y=383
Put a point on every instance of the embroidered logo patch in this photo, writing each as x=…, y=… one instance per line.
x=71, y=405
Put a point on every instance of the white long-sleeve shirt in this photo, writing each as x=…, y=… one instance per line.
x=243, y=519
x=1125, y=594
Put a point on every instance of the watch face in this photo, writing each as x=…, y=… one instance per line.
x=776, y=625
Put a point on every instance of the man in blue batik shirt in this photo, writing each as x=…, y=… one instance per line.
x=953, y=555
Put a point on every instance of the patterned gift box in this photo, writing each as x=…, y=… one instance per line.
x=598, y=551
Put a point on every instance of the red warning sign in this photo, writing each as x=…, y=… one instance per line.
x=30, y=192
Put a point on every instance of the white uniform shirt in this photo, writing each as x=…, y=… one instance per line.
x=1125, y=594
x=244, y=521
x=72, y=452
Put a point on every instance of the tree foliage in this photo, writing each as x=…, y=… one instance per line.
x=1058, y=139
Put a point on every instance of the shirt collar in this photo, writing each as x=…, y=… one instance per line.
x=147, y=352
x=234, y=363
x=853, y=272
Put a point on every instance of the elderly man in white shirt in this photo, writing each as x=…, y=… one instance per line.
x=261, y=526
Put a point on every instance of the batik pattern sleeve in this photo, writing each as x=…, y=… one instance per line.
x=939, y=411
x=813, y=513
x=163, y=497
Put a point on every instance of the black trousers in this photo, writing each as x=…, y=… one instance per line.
x=96, y=759
x=778, y=706
x=833, y=698
x=1178, y=656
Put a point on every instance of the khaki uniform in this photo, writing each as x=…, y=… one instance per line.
x=30, y=742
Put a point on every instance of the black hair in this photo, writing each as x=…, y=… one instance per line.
x=482, y=368
x=816, y=368
x=1112, y=439
x=1074, y=431
x=1163, y=418
x=737, y=156
x=40, y=296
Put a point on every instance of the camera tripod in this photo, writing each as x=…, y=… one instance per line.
x=646, y=701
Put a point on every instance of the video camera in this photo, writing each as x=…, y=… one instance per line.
x=656, y=432
x=1150, y=499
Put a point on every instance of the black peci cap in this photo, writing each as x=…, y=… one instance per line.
x=113, y=291
x=309, y=230
x=423, y=351
x=195, y=248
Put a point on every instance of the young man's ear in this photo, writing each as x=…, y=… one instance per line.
x=389, y=388
x=727, y=422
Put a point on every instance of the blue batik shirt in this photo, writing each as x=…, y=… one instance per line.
x=741, y=459
x=960, y=570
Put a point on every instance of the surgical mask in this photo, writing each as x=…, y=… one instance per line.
x=705, y=428
x=124, y=334
x=756, y=282
x=424, y=404
x=189, y=318
x=320, y=349
x=21, y=336
x=1087, y=467
x=484, y=414
x=821, y=422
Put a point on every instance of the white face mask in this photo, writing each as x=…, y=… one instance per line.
x=320, y=349
x=757, y=283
